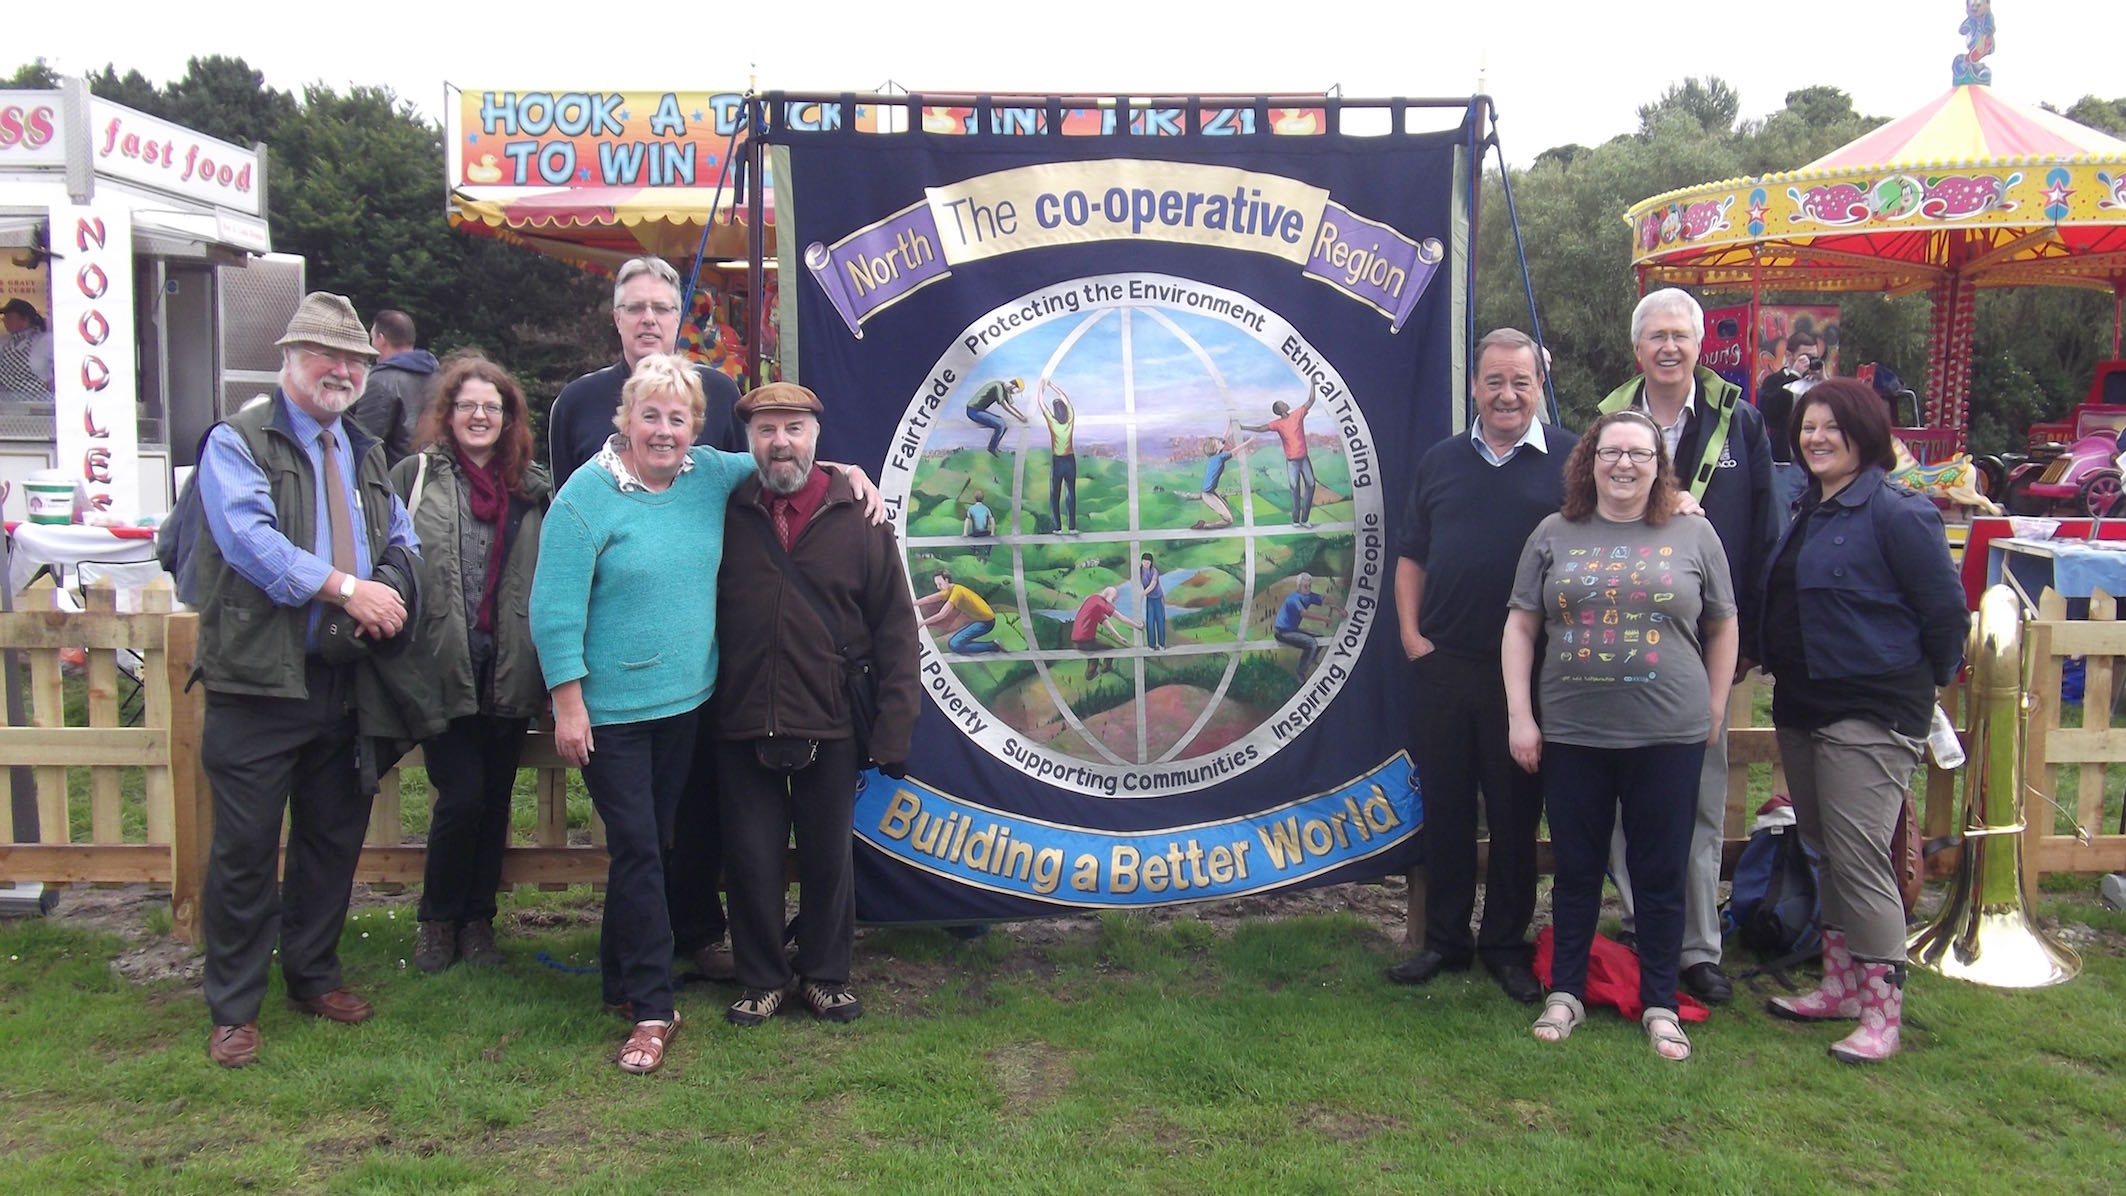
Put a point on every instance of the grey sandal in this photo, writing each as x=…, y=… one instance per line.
x=1562, y=1014
x=1665, y=1031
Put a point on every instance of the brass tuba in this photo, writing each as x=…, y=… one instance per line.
x=1984, y=932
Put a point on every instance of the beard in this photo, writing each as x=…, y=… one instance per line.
x=786, y=475
x=336, y=399
x=326, y=395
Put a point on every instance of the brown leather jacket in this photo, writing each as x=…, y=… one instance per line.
x=779, y=674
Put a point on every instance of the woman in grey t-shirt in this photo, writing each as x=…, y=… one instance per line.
x=1639, y=615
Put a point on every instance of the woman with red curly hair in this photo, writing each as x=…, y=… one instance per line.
x=477, y=500
x=1639, y=612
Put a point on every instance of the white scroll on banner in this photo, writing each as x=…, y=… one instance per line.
x=95, y=396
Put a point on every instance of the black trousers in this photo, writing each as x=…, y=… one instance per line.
x=1459, y=742
x=261, y=756
x=472, y=767
x=761, y=809
x=696, y=852
x=636, y=774
x=1656, y=788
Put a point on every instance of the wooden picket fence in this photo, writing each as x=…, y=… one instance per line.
x=2100, y=640
x=170, y=848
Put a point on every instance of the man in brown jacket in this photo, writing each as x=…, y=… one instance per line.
x=807, y=588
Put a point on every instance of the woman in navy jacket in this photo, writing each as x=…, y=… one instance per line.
x=1863, y=620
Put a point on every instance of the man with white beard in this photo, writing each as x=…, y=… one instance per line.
x=306, y=569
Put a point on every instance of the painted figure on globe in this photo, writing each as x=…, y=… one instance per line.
x=989, y=396
x=1217, y=454
x=1062, y=421
x=961, y=613
x=1291, y=428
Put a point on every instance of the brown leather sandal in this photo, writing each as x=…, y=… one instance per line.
x=647, y=1043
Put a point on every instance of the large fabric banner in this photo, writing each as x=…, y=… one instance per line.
x=1144, y=410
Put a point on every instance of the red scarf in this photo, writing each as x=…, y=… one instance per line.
x=489, y=500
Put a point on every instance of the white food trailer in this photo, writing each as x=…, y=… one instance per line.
x=145, y=248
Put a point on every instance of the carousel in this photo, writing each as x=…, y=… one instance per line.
x=1969, y=191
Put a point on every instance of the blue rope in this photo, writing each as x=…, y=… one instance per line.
x=1520, y=249
x=686, y=298
x=558, y=966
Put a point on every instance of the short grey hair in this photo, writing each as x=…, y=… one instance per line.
x=1668, y=301
x=660, y=374
x=1514, y=340
x=656, y=267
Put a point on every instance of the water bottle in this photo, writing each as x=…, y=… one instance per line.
x=1942, y=744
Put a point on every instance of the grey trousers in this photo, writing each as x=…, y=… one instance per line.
x=1701, y=876
x=1849, y=781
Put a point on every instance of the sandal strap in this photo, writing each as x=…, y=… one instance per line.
x=650, y=1038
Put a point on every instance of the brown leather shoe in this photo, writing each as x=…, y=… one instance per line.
x=339, y=1005
x=234, y=1046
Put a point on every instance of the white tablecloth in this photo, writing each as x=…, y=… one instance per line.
x=79, y=553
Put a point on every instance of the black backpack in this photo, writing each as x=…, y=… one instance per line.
x=1772, y=906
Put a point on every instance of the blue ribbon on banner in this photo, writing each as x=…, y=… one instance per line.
x=1012, y=854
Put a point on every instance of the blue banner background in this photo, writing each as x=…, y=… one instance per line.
x=841, y=181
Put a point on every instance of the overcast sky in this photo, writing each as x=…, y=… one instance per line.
x=1559, y=72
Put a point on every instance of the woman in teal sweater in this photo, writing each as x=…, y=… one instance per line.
x=623, y=613
x=629, y=653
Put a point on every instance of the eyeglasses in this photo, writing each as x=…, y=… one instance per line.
x=663, y=311
x=353, y=361
x=1613, y=455
x=490, y=410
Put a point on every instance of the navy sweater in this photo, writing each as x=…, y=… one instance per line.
x=1465, y=524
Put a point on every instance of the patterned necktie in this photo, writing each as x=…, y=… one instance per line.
x=336, y=508
x=781, y=509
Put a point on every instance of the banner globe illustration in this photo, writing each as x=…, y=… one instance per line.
x=1132, y=531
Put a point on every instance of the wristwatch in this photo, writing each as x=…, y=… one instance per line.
x=346, y=587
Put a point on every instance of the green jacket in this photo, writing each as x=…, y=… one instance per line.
x=250, y=645
x=441, y=640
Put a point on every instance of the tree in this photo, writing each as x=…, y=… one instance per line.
x=1710, y=103
x=2106, y=115
x=134, y=91
x=227, y=98
x=38, y=74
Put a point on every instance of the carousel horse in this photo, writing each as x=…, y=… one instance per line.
x=1954, y=480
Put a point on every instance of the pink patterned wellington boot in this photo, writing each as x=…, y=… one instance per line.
x=1882, y=1007
x=1836, y=999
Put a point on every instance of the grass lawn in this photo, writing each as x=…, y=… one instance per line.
x=1215, y=1050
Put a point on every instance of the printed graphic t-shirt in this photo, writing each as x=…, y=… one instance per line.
x=1621, y=606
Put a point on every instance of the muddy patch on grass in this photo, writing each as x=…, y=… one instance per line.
x=1030, y=1075
x=1344, y=1125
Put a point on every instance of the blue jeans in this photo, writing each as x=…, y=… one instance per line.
x=1657, y=786
x=1155, y=620
x=636, y=776
x=1309, y=646
x=991, y=420
x=1299, y=473
x=968, y=639
x=1062, y=470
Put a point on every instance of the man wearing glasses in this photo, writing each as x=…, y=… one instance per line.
x=646, y=313
x=1723, y=461
x=1475, y=500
